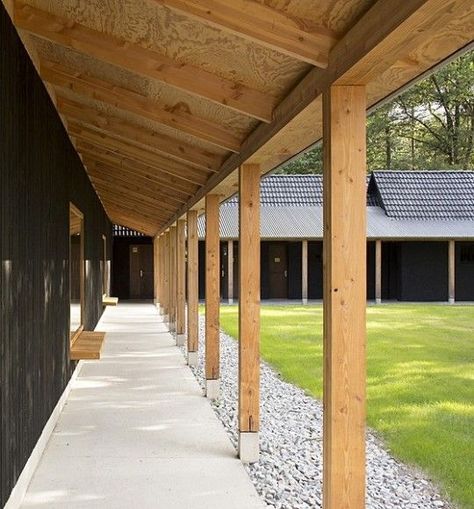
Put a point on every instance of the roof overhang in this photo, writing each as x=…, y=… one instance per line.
x=165, y=99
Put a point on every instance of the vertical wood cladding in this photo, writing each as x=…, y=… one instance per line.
x=40, y=173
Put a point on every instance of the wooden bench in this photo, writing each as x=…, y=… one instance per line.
x=87, y=345
x=109, y=301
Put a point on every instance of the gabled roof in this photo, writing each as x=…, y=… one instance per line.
x=289, y=191
x=443, y=195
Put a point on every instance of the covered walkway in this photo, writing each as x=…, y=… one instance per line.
x=136, y=430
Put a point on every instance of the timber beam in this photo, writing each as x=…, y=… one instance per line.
x=144, y=61
x=260, y=23
x=141, y=136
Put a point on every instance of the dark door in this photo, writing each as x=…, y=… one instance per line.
x=278, y=270
x=141, y=271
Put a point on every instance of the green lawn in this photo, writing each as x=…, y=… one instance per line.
x=420, y=379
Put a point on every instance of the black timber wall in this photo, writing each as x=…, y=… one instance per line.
x=464, y=286
x=423, y=271
x=121, y=264
x=40, y=174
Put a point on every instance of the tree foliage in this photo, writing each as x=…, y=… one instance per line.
x=430, y=126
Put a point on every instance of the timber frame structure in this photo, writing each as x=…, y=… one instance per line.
x=174, y=105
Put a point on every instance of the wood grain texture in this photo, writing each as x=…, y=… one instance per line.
x=172, y=277
x=181, y=277
x=166, y=273
x=264, y=25
x=344, y=300
x=304, y=271
x=249, y=298
x=230, y=270
x=144, y=61
x=378, y=271
x=213, y=298
x=156, y=272
x=178, y=116
x=134, y=133
x=193, y=282
x=87, y=346
x=452, y=270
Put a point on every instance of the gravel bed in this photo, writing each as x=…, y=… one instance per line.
x=289, y=473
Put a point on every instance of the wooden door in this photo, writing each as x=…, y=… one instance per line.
x=141, y=271
x=278, y=270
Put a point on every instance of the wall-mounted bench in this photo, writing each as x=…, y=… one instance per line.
x=87, y=345
x=109, y=301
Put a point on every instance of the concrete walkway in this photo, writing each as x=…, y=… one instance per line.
x=137, y=432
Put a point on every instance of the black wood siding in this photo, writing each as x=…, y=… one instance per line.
x=40, y=174
x=423, y=271
x=464, y=287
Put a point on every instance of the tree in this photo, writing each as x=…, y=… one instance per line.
x=430, y=126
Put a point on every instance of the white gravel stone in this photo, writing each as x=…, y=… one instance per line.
x=289, y=473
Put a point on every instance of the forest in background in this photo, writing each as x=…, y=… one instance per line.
x=428, y=127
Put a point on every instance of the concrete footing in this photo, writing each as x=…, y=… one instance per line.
x=180, y=339
x=230, y=301
x=304, y=301
x=192, y=358
x=249, y=449
x=378, y=301
x=213, y=389
x=451, y=301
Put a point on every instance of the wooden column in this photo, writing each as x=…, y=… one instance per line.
x=304, y=272
x=452, y=271
x=156, y=270
x=161, y=283
x=212, y=296
x=378, y=271
x=344, y=395
x=249, y=312
x=230, y=271
x=193, y=288
x=166, y=277
x=180, y=282
x=172, y=301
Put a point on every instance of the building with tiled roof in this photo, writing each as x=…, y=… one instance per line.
x=415, y=219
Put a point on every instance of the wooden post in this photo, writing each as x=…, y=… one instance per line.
x=161, y=274
x=180, y=282
x=344, y=394
x=212, y=296
x=166, y=277
x=193, y=288
x=172, y=313
x=304, y=271
x=249, y=312
x=156, y=270
x=230, y=271
x=378, y=271
x=452, y=271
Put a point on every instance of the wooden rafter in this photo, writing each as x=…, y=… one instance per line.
x=121, y=175
x=165, y=165
x=105, y=185
x=116, y=180
x=151, y=173
x=142, y=136
x=122, y=200
x=265, y=25
x=143, y=61
x=178, y=117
